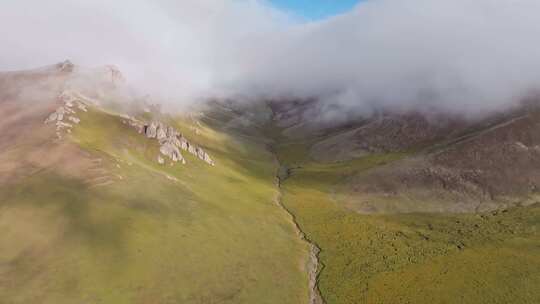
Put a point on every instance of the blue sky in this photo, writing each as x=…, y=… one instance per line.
x=315, y=9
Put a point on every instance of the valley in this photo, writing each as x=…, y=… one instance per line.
x=270, y=152
x=239, y=209
x=412, y=258
x=404, y=256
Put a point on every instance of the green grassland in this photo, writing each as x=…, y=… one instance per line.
x=200, y=234
x=158, y=233
x=408, y=258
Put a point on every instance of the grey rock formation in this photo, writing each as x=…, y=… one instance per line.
x=116, y=76
x=82, y=107
x=52, y=117
x=62, y=125
x=171, y=132
x=183, y=143
x=66, y=66
x=74, y=119
x=67, y=111
x=200, y=153
x=60, y=114
x=170, y=140
x=208, y=160
x=151, y=130
x=161, y=133
x=175, y=141
x=139, y=126
x=170, y=150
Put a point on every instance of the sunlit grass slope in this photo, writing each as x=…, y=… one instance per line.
x=409, y=258
x=157, y=234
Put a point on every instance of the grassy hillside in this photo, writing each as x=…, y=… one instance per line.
x=409, y=258
x=117, y=227
x=135, y=231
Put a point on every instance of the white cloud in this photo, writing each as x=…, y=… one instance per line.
x=462, y=55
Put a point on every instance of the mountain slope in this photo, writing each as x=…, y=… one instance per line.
x=93, y=217
x=410, y=245
x=411, y=258
x=105, y=198
x=454, y=164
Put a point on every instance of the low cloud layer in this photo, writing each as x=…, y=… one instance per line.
x=460, y=55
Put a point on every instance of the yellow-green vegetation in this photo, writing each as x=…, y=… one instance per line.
x=132, y=231
x=409, y=258
x=154, y=233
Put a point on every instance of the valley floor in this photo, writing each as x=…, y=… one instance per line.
x=409, y=258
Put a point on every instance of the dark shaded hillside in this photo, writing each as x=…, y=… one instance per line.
x=453, y=164
x=430, y=256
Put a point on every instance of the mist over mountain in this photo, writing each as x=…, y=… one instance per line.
x=461, y=56
x=170, y=49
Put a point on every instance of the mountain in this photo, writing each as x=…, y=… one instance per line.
x=412, y=207
x=89, y=215
x=450, y=164
x=107, y=197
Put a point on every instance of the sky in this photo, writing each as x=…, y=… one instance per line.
x=315, y=9
x=460, y=56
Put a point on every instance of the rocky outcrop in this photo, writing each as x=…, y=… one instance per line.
x=161, y=134
x=172, y=151
x=171, y=141
x=116, y=76
x=74, y=119
x=65, y=66
x=64, y=117
x=134, y=123
x=151, y=130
